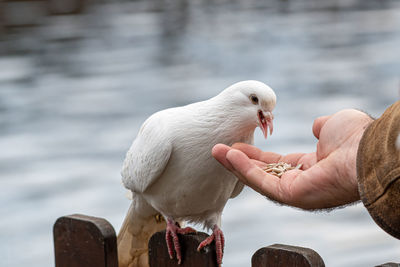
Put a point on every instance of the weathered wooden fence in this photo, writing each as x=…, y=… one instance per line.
x=84, y=241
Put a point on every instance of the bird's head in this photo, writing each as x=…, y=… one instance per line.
x=255, y=101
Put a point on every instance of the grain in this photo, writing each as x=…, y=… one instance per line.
x=278, y=169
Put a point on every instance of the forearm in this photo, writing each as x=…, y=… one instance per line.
x=378, y=170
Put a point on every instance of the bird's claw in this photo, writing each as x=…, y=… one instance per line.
x=171, y=236
x=219, y=239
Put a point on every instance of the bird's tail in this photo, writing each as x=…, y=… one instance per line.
x=135, y=233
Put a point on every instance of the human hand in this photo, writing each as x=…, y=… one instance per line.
x=327, y=177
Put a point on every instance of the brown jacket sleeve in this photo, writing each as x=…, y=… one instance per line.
x=378, y=170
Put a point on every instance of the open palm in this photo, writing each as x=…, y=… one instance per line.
x=327, y=177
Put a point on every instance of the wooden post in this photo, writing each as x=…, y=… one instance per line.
x=84, y=241
x=159, y=257
x=282, y=255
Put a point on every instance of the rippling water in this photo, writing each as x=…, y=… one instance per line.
x=75, y=90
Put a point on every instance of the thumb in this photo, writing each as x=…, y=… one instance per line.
x=318, y=124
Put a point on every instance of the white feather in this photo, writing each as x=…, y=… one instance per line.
x=170, y=165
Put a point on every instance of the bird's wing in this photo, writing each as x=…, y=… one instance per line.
x=145, y=161
x=238, y=188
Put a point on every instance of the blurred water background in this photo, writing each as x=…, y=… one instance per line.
x=75, y=88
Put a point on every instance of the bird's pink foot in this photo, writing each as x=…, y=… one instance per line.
x=171, y=236
x=218, y=236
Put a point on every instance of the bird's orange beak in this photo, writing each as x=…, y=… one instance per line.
x=265, y=120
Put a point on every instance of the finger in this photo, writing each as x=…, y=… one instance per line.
x=259, y=164
x=256, y=153
x=253, y=176
x=295, y=159
x=268, y=157
x=307, y=160
x=219, y=153
x=318, y=124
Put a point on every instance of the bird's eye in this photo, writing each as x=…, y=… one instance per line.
x=254, y=99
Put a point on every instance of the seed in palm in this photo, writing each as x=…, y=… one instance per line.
x=278, y=169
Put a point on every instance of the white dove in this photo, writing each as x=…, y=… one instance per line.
x=170, y=170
